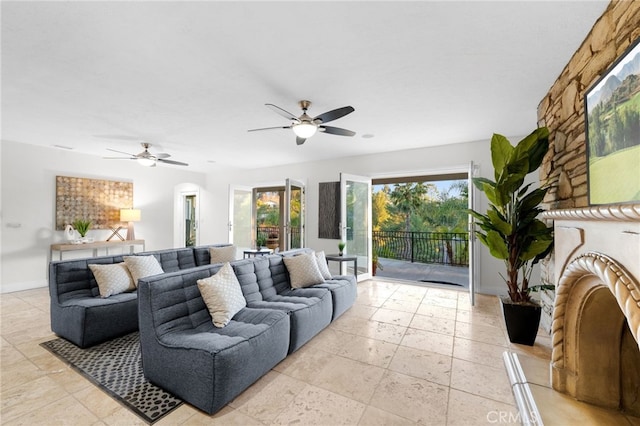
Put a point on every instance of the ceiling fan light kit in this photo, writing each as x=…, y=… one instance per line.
x=147, y=162
x=306, y=126
x=305, y=130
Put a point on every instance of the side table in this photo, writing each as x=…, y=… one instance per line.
x=344, y=258
x=254, y=252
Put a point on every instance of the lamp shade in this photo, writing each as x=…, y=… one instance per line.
x=130, y=215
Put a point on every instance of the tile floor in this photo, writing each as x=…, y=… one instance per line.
x=402, y=355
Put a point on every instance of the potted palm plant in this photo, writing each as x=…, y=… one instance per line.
x=511, y=230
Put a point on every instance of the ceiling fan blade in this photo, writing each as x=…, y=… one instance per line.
x=336, y=131
x=282, y=112
x=120, y=137
x=177, y=163
x=162, y=155
x=269, y=128
x=119, y=158
x=299, y=140
x=334, y=114
x=121, y=152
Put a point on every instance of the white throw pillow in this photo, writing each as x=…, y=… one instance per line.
x=303, y=270
x=223, y=295
x=142, y=266
x=322, y=265
x=112, y=278
x=222, y=254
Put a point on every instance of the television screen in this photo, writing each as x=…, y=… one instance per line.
x=612, y=113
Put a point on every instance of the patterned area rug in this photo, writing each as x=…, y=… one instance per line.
x=116, y=366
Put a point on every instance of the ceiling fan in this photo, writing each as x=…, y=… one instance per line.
x=145, y=158
x=305, y=126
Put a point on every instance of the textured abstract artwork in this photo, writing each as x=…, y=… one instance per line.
x=96, y=200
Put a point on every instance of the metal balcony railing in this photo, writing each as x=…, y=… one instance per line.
x=446, y=248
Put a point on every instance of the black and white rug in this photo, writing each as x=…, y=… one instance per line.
x=116, y=367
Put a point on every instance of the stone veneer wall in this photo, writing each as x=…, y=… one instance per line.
x=562, y=111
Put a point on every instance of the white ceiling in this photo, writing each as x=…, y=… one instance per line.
x=193, y=77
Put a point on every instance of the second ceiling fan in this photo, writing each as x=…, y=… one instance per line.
x=306, y=126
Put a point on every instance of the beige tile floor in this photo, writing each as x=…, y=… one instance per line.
x=402, y=355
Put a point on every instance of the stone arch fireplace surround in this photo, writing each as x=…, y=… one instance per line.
x=596, y=317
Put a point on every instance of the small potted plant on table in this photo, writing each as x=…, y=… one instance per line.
x=341, y=246
x=82, y=226
x=511, y=230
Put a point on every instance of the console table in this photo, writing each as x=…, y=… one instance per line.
x=95, y=246
x=344, y=258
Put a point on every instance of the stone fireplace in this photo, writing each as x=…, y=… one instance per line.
x=596, y=316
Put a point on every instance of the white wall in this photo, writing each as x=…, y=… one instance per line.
x=28, y=202
x=409, y=162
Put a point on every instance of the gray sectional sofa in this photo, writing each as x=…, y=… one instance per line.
x=206, y=366
x=182, y=351
x=78, y=313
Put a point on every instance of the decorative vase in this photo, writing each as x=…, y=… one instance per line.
x=273, y=243
x=69, y=233
x=522, y=321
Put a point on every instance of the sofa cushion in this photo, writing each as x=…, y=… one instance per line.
x=222, y=295
x=222, y=254
x=303, y=270
x=142, y=266
x=322, y=265
x=112, y=279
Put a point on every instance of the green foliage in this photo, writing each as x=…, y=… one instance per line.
x=261, y=241
x=510, y=228
x=341, y=246
x=82, y=226
x=407, y=199
x=615, y=125
x=436, y=211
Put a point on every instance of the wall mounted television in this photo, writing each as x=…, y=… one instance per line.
x=612, y=123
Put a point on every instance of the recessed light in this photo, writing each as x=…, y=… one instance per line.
x=367, y=136
x=62, y=147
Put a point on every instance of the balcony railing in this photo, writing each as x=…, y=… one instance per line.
x=446, y=248
x=265, y=231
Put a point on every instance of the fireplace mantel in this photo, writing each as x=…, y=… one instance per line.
x=611, y=212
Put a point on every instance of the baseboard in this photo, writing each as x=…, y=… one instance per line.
x=21, y=286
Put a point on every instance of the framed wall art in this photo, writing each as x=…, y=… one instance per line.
x=612, y=123
x=96, y=200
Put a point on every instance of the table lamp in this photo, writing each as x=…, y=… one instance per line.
x=130, y=216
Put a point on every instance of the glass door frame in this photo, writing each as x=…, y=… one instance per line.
x=290, y=184
x=344, y=179
x=232, y=215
